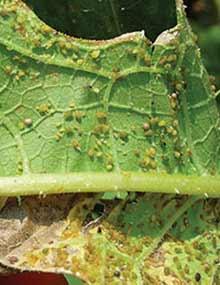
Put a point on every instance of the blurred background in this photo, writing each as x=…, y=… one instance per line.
x=80, y=18
x=204, y=16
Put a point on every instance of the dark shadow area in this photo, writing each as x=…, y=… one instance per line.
x=105, y=19
x=204, y=12
x=33, y=278
x=204, y=16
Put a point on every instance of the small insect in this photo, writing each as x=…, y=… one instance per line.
x=146, y=126
x=95, y=54
x=28, y=122
x=197, y=277
x=76, y=145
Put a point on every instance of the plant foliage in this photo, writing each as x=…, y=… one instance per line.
x=114, y=118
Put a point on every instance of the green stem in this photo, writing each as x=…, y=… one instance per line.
x=85, y=182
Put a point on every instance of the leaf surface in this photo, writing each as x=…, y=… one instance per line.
x=72, y=106
x=147, y=240
x=107, y=116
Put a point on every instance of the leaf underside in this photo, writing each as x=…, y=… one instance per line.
x=125, y=105
x=71, y=105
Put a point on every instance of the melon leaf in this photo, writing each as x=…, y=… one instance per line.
x=109, y=117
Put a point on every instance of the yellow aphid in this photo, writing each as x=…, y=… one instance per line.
x=95, y=54
x=76, y=145
x=152, y=152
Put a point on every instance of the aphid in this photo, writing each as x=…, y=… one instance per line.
x=167, y=66
x=151, y=152
x=175, y=123
x=68, y=46
x=20, y=167
x=19, y=74
x=28, y=122
x=76, y=145
x=99, y=154
x=8, y=70
x=36, y=41
x=21, y=126
x=177, y=154
x=135, y=51
x=174, y=96
x=69, y=131
x=197, y=277
x=79, y=116
x=58, y=125
x=109, y=167
x=99, y=143
x=101, y=117
x=166, y=271
x=162, y=123
x=186, y=269
x=153, y=164
x=137, y=153
x=117, y=273
x=45, y=29
x=213, y=87
x=20, y=20
x=123, y=135
x=147, y=60
x=45, y=251
x=154, y=121
x=95, y=54
x=179, y=86
x=96, y=90
x=101, y=129
x=146, y=126
x=80, y=61
x=110, y=164
x=68, y=115
x=169, y=130
x=12, y=259
x=58, y=136
x=145, y=162
x=148, y=133
x=91, y=153
x=43, y=109
x=173, y=100
x=62, y=130
x=72, y=105
x=174, y=133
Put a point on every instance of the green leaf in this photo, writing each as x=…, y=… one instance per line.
x=104, y=111
x=152, y=239
x=114, y=116
x=72, y=280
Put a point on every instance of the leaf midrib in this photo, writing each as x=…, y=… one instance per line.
x=87, y=182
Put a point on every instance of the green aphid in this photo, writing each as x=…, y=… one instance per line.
x=91, y=153
x=68, y=115
x=123, y=135
x=101, y=129
x=76, y=145
x=43, y=109
x=79, y=115
x=101, y=117
x=95, y=54
x=68, y=131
